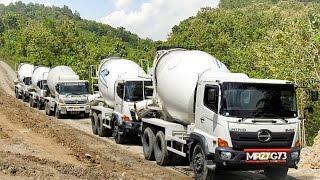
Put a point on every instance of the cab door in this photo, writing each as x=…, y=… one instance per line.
x=207, y=103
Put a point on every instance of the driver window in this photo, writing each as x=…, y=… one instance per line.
x=211, y=94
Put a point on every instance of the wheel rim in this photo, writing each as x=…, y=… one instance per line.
x=198, y=161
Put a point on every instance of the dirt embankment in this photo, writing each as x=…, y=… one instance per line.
x=33, y=145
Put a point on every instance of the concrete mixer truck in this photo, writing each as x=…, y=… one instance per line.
x=219, y=120
x=39, y=87
x=23, y=83
x=68, y=94
x=121, y=83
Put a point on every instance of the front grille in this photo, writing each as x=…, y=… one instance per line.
x=241, y=140
x=75, y=102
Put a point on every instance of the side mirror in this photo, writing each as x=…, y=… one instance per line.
x=16, y=81
x=314, y=95
x=57, y=88
x=212, y=96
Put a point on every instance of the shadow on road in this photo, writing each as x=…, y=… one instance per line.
x=237, y=175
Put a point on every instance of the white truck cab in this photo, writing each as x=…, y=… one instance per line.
x=122, y=94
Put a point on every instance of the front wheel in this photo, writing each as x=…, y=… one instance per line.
x=199, y=163
x=276, y=173
x=47, y=109
x=118, y=137
x=58, y=113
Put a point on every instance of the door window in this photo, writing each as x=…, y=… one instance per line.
x=211, y=94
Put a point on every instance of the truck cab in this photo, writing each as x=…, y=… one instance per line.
x=71, y=97
x=22, y=88
x=122, y=121
x=247, y=124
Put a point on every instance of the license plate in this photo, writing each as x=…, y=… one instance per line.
x=266, y=155
x=74, y=112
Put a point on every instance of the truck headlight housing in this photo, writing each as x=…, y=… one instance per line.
x=225, y=155
x=295, y=155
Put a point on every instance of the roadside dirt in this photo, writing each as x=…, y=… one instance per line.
x=35, y=146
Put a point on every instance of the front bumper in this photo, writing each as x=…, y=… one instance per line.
x=131, y=128
x=74, y=109
x=238, y=160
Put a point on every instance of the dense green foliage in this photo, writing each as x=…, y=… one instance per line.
x=56, y=36
x=265, y=39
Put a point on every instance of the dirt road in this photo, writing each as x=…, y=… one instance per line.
x=33, y=145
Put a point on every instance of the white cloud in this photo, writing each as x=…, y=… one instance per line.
x=7, y=2
x=156, y=18
x=122, y=3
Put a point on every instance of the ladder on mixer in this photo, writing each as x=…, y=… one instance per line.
x=94, y=79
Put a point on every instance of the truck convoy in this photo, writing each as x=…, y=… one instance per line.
x=23, y=83
x=68, y=94
x=39, y=87
x=121, y=83
x=217, y=119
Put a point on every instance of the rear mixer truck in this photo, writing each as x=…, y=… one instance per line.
x=219, y=120
x=121, y=85
x=39, y=87
x=23, y=81
x=68, y=94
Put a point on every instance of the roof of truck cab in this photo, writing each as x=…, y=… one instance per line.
x=73, y=81
x=238, y=77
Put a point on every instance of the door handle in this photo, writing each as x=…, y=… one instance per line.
x=202, y=120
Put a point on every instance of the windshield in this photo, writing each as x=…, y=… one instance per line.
x=134, y=90
x=248, y=100
x=74, y=88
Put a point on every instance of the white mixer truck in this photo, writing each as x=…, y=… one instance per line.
x=23, y=83
x=219, y=120
x=121, y=83
x=39, y=87
x=68, y=94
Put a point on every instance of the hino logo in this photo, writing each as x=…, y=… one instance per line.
x=264, y=136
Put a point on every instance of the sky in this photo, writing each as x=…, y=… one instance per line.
x=148, y=18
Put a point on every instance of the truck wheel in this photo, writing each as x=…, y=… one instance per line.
x=102, y=131
x=160, y=150
x=57, y=113
x=277, y=173
x=94, y=119
x=16, y=94
x=24, y=97
x=39, y=105
x=119, y=138
x=148, y=141
x=47, y=109
x=199, y=164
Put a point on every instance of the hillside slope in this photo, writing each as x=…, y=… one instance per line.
x=265, y=39
x=57, y=36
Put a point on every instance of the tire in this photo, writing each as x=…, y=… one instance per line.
x=23, y=97
x=94, y=118
x=39, y=105
x=47, y=109
x=276, y=173
x=148, y=142
x=199, y=164
x=119, y=138
x=102, y=131
x=161, y=153
x=57, y=113
x=32, y=103
x=16, y=93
